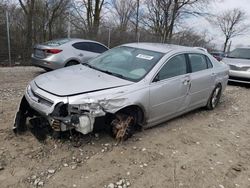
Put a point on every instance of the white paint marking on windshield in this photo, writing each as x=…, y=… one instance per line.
x=147, y=57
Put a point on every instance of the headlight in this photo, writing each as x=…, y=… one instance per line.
x=28, y=89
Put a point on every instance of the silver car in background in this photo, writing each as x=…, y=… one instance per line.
x=138, y=84
x=65, y=52
x=239, y=62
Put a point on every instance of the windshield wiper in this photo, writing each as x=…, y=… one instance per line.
x=105, y=71
x=88, y=65
x=112, y=73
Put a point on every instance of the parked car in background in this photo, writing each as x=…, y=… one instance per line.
x=65, y=52
x=238, y=61
x=134, y=84
x=218, y=55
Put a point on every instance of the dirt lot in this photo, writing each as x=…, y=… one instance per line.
x=200, y=149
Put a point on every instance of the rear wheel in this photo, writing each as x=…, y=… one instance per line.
x=214, y=98
x=70, y=63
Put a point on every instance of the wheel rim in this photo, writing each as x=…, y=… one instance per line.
x=121, y=126
x=216, y=97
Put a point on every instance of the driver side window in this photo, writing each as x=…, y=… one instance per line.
x=174, y=67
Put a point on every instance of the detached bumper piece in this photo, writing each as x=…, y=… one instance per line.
x=39, y=126
x=21, y=116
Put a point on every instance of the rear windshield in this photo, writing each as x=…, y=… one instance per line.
x=56, y=42
x=240, y=53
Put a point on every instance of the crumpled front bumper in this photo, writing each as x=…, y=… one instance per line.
x=35, y=103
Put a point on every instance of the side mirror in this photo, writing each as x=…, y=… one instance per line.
x=157, y=78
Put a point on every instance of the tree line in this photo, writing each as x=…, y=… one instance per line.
x=111, y=22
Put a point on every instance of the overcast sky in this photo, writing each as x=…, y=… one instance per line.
x=217, y=7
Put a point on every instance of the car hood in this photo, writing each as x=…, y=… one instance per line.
x=77, y=79
x=237, y=62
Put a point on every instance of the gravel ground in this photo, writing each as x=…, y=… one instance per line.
x=202, y=149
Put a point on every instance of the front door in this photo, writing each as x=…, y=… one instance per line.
x=169, y=89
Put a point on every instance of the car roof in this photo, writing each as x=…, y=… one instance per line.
x=161, y=47
x=67, y=41
x=76, y=40
x=81, y=40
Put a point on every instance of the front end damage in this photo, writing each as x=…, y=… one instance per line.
x=65, y=116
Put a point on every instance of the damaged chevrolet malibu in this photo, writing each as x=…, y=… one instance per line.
x=133, y=85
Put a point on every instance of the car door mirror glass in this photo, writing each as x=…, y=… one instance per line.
x=157, y=78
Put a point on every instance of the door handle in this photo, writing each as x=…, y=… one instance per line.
x=80, y=54
x=186, y=81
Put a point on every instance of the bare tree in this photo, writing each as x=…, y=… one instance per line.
x=28, y=8
x=137, y=19
x=124, y=10
x=163, y=15
x=231, y=23
x=54, y=9
x=190, y=37
x=93, y=14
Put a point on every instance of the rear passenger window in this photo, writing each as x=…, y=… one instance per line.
x=198, y=62
x=81, y=46
x=97, y=48
x=174, y=67
x=90, y=46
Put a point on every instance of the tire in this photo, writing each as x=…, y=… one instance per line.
x=131, y=128
x=47, y=69
x=214, y=98
x=70, y=63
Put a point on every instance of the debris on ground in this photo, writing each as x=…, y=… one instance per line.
x=199, y=149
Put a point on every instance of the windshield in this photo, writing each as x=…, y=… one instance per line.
x=240, y=53
x=126, y=62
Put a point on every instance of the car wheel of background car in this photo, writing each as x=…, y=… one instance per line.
x=214, y=98
x=70, y=63
x=123, y=126
x=47, y=69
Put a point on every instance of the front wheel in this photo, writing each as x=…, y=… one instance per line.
x=123, y=126
x=214, y=98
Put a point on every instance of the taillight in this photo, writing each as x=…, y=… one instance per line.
x=52, y=51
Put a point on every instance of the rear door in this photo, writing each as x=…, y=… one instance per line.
x=169, y=89
x=202, y=79
x=83, y=51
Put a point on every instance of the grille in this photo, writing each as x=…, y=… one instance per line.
x=233, y=67
x=42, y=99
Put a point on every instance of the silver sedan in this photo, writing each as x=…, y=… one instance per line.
x=65, y=52
x=138, y=84
x=239, y=63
